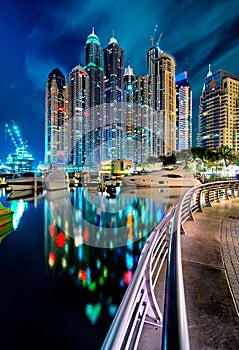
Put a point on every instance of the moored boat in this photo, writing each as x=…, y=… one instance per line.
x=93, y=185
x=56, y=180
x=166, y=177
x=25, y=181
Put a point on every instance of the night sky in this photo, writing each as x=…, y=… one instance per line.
x=37, y=36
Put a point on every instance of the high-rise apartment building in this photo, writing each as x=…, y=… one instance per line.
x=107, y=113
x=79, y=121
x=56, y=119
x=143, y=118
x=218, y=112
x=130, y=117
x=183, y=112
x=161, y=70
x=113, y=124
x=94, y=68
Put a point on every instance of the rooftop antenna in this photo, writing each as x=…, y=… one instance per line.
x=153, y=35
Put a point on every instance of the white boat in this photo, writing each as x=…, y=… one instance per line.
x=25, y=181
x=56, y=180
x=166, y=177
x=93, y=185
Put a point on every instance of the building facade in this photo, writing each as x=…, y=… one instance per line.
x=161, y=70
x=218, y=112
x=56, y=119
x=79, y=121
x=114, y=123
x=143, y=118
x=183, y=112
x=94, y=68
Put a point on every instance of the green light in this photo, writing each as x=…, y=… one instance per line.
x=92, y=64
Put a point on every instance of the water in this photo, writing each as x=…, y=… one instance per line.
x=68, y=261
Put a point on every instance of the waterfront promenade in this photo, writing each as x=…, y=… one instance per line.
x=210, y=255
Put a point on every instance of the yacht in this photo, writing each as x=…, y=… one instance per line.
x=165, y=177
x=26, y=181
x=56, y=180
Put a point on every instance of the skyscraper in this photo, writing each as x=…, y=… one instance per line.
x=56, y=119
x=113, y=123
x=143, y=118
x=183, y=112
x=161, y=70
x=129, y=110
x=218, y=111
x=94, y=68
x=79, y=124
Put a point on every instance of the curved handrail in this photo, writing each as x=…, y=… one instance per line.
x=123, y=318
x=175, y=330
x=139, y=297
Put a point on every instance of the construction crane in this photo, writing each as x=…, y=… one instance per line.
x=20, y=160
x=17, y=133
x=153, y=35
x=157, y=43
x=17, y=140
x=11, y=135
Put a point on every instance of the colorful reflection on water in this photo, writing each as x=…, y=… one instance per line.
x=90, y=249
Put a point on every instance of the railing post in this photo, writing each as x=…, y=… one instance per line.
x=198, y=200
x=232, y=190
x=207, y=197
x=226, y=192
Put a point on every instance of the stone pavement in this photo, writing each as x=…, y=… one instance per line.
x=210, y=254
x=210, y=257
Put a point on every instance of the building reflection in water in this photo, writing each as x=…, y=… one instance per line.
x=98, y=240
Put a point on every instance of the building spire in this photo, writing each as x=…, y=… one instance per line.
x=209, y=71
x=112, y=39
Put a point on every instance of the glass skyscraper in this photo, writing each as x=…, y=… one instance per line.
x=114, y=122
x=79, y=121
x=94, y=68
x=183, y=112
x=56, y=119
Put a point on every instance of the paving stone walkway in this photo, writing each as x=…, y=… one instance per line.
x=210, y=254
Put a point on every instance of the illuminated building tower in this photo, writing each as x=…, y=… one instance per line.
x=113, y=124
x=93, y=66
x=79, y=124
x=183, y=112
x=143, y=118
x=56, y=119
x=161, y=69
x=218, y=111
x=130, y=144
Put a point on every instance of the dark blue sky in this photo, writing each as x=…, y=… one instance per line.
x=37, y=36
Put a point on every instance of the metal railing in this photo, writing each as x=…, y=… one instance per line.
x=139, y=304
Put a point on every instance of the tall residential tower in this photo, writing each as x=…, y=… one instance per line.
x=114, y=124
x=161, y=70
x=79, y=123
x=184, y=112
x=218, y=112
x=94, y=68
x=56, y=119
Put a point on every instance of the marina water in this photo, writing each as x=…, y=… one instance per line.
x=68, y=261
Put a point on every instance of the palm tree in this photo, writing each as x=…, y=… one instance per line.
x=226, y=155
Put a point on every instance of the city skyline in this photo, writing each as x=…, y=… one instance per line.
x=41, y=37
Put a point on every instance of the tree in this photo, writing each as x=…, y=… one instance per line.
x=226, y=155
